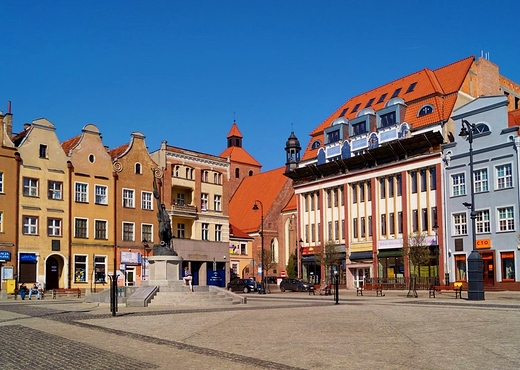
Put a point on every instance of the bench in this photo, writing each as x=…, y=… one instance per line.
x=377, y=288
x=445, y=288
x=17, y=293
x=62, y=291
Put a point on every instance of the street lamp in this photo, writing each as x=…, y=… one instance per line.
x=255, y=208
x=299, y=253
x=475, y=266
x=147, y=250
x=435, y=228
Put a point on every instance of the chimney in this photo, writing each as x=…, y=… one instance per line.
x=8, y=121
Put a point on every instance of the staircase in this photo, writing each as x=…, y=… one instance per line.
x=203, y=296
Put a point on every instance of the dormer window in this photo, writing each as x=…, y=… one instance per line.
x=359, y=128
x=425, y=109
x=388, y=119
x=316, y=144
x=333, y=136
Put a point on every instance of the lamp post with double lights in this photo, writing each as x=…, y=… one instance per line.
x=255, y=208
x=475, y=265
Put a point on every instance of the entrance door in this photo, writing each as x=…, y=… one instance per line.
x=52, y=273
x=359, y=277
x=489, y=268
x=130, y=276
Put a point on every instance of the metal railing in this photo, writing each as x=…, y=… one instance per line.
x=402, y=283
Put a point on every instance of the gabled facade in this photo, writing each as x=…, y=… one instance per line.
x=44, y=207
x=372, y=175
x=92, y=217
x=194, y=192
x=240, y=253
x=136, y=208
x=9, y=167
x=496, y=187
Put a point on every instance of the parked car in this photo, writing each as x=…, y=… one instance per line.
x=241, y=285
x=296, y=285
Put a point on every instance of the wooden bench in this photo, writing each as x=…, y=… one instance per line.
x=72, y=291
x=377, y=288
x=445, y=288
x=17, y=293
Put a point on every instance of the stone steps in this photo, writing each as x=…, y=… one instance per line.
x=187, y=298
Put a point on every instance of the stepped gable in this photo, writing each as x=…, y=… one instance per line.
x=438, y=87
x=264, y=187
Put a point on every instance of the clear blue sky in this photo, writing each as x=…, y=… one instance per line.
x=181, y=71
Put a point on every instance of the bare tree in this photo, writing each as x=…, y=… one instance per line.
x=329, y=257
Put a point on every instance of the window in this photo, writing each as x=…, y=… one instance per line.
x=318, y=201
x=237, y=173
x=390, y=187
x=369, y=226
x=319, y=232
x=481, y=180
x=354, y=193
x=128, y=231
x=396, y=92
x=147, y=232
x=54, y=227
x=388, y=119
x=424, y=219
x=204, y=176
x=411, y=87
x=506, y=219
x=80, y=268
x=80, y=227
x=460, y=267
x=243, y=248
x=180, y=199
x=341, y=196
x=400, y=222
x=181, y=231
x=1, y=182
x=415, y=220
x=370, y=102
x=383, y=224
x=335, y=195
x=306, y=233
x=359, y=128
x=460, y=225
x=399, y=185
x=101, y=194
x=508, y=265
x=138, y=168
x=355, y=227
x=382, y=98
x=382, y=183
x=423, y=180
x=128, y=198
x=329, y=224
x=316, y=144
x=146, y=200
x=176, y=171
x=329, y=198
x=43, y=151
x=100, y=269
x=336, y=230
x=100, y=227
x=218, y=203
x=313, y=233
x=356, y=107
x=413, y=181
x=426, y=109
x=30, y=225
x=433, y=178
x=482, y=222
x=369, y=191
x=217, y=178
x=55, y=190
x=204, y=201
x=205, y=231
x=391, y=223
x=333, y=136
x=81, y=192
x=363, y=227
x=218, y=233
x=311, y=200
x=458, y=185
x=504, y=176
x=1, y=221
x=434, y=216
x=30, y=187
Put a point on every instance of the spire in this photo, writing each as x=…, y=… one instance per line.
x=234, y=137
x=292, y=150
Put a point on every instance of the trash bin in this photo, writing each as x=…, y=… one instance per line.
x=10, y=286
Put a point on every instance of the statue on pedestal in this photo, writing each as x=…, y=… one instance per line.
x=165, y=247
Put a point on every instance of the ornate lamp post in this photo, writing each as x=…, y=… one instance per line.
x=475, y=266
x=255, y=208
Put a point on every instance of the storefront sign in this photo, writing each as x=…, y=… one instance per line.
x=483, y=244
x=5, y=255
x=131, y=258
x=28, y=257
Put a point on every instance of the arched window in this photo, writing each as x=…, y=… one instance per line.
x=425, y=109
x=316, y=144
x=250, y=172
x=138, y=168
x=237, y=173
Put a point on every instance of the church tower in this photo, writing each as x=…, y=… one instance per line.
x=292, y=150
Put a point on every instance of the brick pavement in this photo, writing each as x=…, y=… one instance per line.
x=277, y=331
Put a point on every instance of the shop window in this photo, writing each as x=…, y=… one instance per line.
x=460, y=267
x=508, y=266
x=80, y=268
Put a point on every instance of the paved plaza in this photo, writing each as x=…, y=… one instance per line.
x=273, y=331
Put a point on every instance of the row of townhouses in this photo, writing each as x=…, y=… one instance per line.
x=389, y=167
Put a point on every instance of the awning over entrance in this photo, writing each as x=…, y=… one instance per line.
x=390, y=253
x=360, y=256
x=309, y=259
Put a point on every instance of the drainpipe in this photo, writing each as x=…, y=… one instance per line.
x=70, y=167
x=18, y=160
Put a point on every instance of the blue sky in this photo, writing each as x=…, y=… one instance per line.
x=181, y=71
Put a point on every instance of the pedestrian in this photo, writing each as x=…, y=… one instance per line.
x=34, y=290
x=23, y=291
x=187, y=278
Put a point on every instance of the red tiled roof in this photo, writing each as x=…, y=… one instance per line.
x=264, y=187
x=438, y=88
x=116, y=152
x=234, y=132
x=514, y=118
x=67, y=145
x=237, y=233
x=238, y=154
x=291, y=204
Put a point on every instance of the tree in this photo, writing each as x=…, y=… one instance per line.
x=292, y=266
x=329, y=257
x=418, y=252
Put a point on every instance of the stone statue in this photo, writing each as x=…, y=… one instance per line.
x=165, y=248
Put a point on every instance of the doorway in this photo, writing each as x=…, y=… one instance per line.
x=52, y=273
x=130, y=276
x=488, y=268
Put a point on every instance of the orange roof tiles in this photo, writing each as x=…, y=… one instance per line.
x=438, y=88
x=291, y=204
x=234, y=132
x=264, y=187
x=240, y=155
x=237, y=233
x=69, y=144
x=514, y=118
x=116, y=152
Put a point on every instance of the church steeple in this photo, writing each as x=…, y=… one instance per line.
x=234, y=138
x=292, y=150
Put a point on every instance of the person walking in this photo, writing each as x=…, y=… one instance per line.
x=187, y=278
x=23, y=291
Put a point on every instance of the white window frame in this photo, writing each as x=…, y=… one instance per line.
x=218, y=233
x=482, y=223
x=1, y=221
x=1, y=182
x=100, y=260
x=509, y=219
x=101, y=194
x=204, y=200
x=150, y=240
x=54, y=226
x=205, y=231
x=147, y=200
x=460, y=223
x=55, y=188
x=481, y=185
x=30, y=187
x=128, y=198
x=85, y=274
x=218, y=203
x=30, y=225
x=504, y=181
x=76, y=228
x=181, y=229
x=96, y=230
x=81, y=192
x=124, y=232
x=458, y=184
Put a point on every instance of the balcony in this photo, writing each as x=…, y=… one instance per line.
x=182, y=210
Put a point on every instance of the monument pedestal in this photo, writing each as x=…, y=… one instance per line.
x=164, y=270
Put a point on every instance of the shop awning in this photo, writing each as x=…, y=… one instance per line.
x=361, y=255
x=390, y=253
